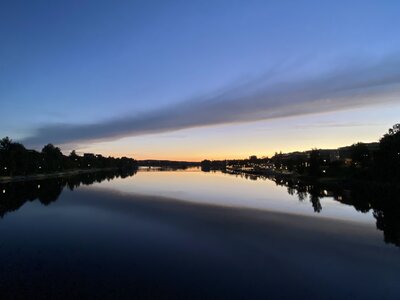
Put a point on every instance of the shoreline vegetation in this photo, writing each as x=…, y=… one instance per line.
x=373, y=163
x=18, y=163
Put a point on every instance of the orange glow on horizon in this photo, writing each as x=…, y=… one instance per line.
x=263, y=138
x=198, y=157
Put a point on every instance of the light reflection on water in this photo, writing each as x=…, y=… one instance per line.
x=98, y=236
x=228, y=190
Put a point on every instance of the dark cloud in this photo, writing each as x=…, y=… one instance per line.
x=351, y=86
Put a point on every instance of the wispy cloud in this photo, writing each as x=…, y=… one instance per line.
x=337, y=125
x=346, y=87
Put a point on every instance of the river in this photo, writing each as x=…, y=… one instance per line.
x=191, y=235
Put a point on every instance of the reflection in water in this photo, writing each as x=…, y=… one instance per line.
x=105, y=242
x=15, y=194
x=384, y=201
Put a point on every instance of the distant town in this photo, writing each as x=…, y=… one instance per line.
x=300, y=161
x=368, y=161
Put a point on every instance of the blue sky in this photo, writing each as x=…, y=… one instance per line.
x=104, y=64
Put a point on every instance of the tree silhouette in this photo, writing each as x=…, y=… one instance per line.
x=388, y=159
x=15, y=159
x=314, y=164
x=5, y=143
x=360, y=154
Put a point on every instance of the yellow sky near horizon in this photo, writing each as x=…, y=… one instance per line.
x=263, y=138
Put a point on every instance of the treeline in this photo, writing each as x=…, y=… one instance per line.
x=375, y=161
x=359, y=161
x=167, y=164
x=210, y=165
x=252, y=163
x=15, y=159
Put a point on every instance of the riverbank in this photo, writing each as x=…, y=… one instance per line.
x=6, y=179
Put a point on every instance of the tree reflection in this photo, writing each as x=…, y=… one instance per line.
x=14, y=195
x=383, y=200
x=314, y=198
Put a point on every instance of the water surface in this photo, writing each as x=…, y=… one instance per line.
x=191, y=235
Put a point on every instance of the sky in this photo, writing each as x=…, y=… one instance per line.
x=190, y=80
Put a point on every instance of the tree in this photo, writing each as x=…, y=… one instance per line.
x=388, y=159
x=314, y=167
x=360, y=154
x=14, y=158
x=5, y=143
x=53, y=158
x=394, y=130
x=73, y=154
x=50, y=149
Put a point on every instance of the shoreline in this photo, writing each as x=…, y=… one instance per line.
x=329, y=182
x=19, y=178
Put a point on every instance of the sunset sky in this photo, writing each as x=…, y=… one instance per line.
x=189, y=80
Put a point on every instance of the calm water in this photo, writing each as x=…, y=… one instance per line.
x=195, y=235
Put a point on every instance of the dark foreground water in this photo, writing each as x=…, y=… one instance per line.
x=191, y=235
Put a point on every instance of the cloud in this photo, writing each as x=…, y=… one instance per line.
x=337, y=125
x=353, y=85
